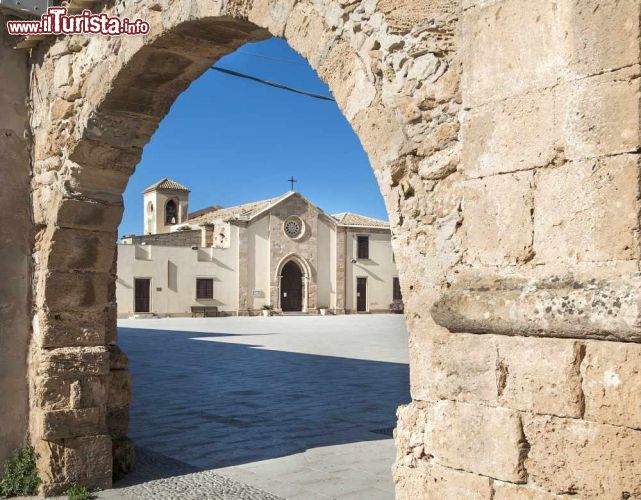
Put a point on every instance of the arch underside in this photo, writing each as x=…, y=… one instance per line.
x=513, y=206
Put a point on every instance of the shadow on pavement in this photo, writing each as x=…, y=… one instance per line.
x=206, y=404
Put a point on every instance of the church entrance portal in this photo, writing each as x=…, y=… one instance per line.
x=291, y=287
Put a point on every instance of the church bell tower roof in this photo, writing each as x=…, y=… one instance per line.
x=166, y=184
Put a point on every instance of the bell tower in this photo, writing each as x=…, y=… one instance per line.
x=166, y=205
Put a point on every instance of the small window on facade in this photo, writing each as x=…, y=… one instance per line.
x=363, y=247
x=397, y=289
x=171, y=212
x=204, y=288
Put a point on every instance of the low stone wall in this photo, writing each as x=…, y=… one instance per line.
x=191, y=238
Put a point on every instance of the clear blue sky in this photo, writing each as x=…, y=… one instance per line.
x=233, y=141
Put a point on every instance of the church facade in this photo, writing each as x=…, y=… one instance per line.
x=283, y=253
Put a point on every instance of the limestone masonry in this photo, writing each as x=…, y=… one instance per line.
x=505, y=137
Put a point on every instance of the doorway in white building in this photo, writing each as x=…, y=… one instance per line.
x=361, y=294
x=291, y=288
x=142, y=295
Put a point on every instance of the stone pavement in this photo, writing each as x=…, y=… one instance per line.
x=158, y=476
x=298, y=407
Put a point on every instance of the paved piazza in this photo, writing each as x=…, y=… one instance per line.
x=294, y=407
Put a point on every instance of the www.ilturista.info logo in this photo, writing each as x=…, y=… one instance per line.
x=57, y=21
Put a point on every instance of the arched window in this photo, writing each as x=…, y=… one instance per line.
x=171, y=212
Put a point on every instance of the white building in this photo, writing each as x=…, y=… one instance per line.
x=283, y=252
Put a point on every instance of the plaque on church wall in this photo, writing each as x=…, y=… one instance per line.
x=257, y=293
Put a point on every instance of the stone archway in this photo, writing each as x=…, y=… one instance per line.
x=511, y=180
x=108, y=99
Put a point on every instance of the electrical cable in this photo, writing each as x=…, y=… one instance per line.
x=271, y=84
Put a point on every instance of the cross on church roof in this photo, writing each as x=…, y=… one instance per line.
x=292, y=180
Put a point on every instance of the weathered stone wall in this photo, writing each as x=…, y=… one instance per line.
x=190, y=238
x=523, y=393
x=16, y=242
x=504, y=135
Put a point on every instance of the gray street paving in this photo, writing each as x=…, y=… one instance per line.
x=293, y=407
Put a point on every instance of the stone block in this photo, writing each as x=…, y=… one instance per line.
x=511, y=47
x=103, y=184
x=69, y=361
x=124, y=456
x=587, y=211
x=409, y=434
x=89, y=215
x=118, y=421
x=349, y=82
x=68, y=291
x=540, y=375
x=121, y=129
x=71, y=329
x=464, y=436
x=497, y=223
x=462, y=368
x=111, y=161
x=118, y=360
x=430, y=480
x=490, y=145
x=586, y=459
x=571, y=306
x=380, y=133
x=272, y=14
x=600, y=35
x=65, y=392
x=403, y=15
x=111, y=324
x=62, y=71
x=600, y=115
x=83, y=460
x=119, y=388
x=468, y=4
x=508, y=491
x=612, y=383
x=79, y=250
x=307, y=34
x=64, y=424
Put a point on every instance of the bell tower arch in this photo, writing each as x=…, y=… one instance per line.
x=166, y=204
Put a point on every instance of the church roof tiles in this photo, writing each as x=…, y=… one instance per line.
x=166, y=183
x=248, y=211
x=244, y=211
x=350, y=219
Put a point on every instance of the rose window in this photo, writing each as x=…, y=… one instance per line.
x=293, y=227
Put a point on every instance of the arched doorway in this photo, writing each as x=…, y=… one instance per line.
x=291, y=287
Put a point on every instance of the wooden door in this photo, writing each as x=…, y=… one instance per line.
x=291, y=288
x=361, y=294
x=142, y=295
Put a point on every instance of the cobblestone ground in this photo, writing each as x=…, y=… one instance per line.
x=179, y=481
x=296, y=407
